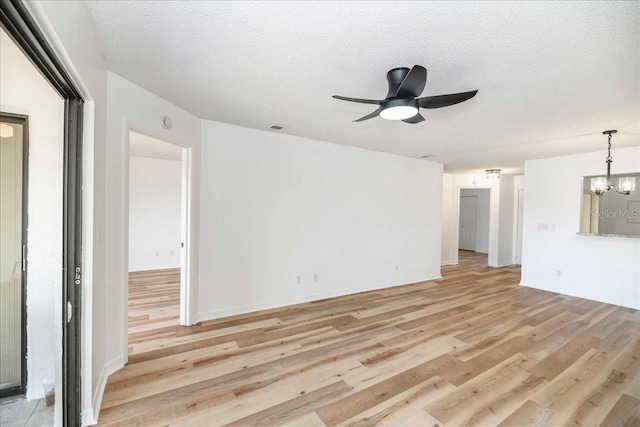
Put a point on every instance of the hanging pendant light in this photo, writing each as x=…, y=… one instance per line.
x=601, y=184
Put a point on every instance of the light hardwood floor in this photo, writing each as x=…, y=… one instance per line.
x=473, y=348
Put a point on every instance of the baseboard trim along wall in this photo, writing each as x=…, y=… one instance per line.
x=90, y=416
x=598, y=298
x=233, y=311
x=505, y=264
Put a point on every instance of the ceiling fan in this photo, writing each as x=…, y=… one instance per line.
x=402, y=102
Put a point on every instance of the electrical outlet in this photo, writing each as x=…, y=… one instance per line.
x=396, y=267
x=172, y=251
x=298, y=280
x=157, y=253
x=315, y=277
x=559, y=273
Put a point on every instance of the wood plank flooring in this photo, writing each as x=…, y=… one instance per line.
x=473, y=348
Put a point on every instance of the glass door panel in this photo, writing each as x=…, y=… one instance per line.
x=11, y=251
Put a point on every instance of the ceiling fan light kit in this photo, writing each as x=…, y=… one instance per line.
x=401, y=103
x=399, y=109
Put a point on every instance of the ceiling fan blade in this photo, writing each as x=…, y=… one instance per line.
x=445, y=100
x=362, y=101
x=413, y=84
x=369, y=116
x=415, y=119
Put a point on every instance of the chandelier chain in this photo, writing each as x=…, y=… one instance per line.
x=609, y=150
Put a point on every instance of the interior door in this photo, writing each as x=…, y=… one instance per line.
x=468, y=223
x=12, y=255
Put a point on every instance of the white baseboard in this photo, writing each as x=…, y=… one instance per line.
x=611, y=301
x=449, y=262
x=250, y=308
x=90, y=416
x=87, y=417
x=504, y=264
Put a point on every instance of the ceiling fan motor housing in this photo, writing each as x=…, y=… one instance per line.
x=395, y=78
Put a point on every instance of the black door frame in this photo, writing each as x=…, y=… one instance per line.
x=23, y=29
x=24, y=121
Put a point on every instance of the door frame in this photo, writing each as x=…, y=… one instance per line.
x=187, y=301
x=18, y=23
x=24, y=121
x=492, y=256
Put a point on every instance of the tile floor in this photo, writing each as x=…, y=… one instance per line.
x=16, y=411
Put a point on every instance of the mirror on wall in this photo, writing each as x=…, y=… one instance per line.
x=611, y=213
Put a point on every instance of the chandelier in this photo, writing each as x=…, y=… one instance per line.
x=601, y=184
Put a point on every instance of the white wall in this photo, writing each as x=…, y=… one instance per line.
x=482, y=218
x=449, y=246
x=154, y=213
x=276, y=206
x=518, y=186
x=604, y=269
x=131, y=108
x=24, y=91
x=506, y=220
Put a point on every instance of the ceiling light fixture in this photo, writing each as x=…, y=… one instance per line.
x=601, y=184
x=6, y=131
x=399, y=109
x=493, y=173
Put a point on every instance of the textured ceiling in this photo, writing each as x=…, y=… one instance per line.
x=551, y=75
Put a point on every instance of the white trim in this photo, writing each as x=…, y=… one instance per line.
x=91, y=417
x=505, y=264
x=186, y=234
x=583, y=296
x=250, y=308
x=449, y=262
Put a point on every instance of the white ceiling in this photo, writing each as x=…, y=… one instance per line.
x=551, y=75
x=145, y=146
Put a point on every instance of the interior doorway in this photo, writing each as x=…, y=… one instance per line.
x=158, y=229
x=474, y=220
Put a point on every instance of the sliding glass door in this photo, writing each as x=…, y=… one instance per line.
x=12, y=254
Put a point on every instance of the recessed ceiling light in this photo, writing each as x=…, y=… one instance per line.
x=276, y=127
